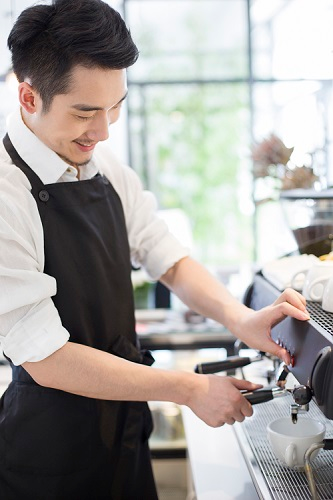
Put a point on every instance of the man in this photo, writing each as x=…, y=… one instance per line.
x=74, y=422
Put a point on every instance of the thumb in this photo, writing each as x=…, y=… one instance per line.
x=278, y=351
x=245, y=385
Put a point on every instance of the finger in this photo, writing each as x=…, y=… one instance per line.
x=241, y=410
x=245, y=384
x=269, y=345
x=247, y=409
x=280, y=311
x=293, y=297
x=280, y=352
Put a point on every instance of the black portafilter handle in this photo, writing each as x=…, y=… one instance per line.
x=259, y=396
x=328, y=444
x=231, y=363
x=263, y=395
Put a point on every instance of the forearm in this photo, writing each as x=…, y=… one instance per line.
x=197, y=288
x=92, y=373
x=203, y=293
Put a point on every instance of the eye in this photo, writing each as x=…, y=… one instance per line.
x=117, y=106
x=83, y=117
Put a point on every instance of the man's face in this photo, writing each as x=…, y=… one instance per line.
x=78, y=120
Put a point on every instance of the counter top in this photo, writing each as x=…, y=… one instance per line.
x=162, y=329
x=219, y=471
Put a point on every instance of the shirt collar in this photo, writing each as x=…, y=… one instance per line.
x=42, y=160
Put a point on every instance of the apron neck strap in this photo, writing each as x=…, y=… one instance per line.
x=20, y=163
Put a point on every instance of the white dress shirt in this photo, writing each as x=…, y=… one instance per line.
x=30, y=326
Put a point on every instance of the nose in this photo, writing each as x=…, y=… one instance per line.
x=99, y=130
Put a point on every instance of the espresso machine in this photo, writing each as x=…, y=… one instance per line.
x=310, y=394
x=310, y=344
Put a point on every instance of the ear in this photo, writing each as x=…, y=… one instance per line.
x=27, y=97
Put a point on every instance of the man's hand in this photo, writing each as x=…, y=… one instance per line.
x=197, y=288
x=254, y=327
x=217, y=400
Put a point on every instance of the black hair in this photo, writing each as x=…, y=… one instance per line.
x=47, y=41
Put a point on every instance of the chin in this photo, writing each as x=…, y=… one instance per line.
x=83, y=160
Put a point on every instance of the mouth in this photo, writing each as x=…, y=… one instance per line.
x=85, y=148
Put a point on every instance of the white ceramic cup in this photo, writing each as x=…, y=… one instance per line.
x=297, y=281
x=316, y=279
x=327, y=302
x=290, y=441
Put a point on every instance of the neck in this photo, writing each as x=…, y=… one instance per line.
x=25, y=119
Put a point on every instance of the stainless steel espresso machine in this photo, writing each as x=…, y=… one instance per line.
x=310, y=344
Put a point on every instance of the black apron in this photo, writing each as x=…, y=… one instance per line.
x=55, y=445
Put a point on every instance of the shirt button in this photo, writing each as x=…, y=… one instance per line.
x=43, y=196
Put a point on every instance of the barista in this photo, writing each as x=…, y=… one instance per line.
x=74, y=423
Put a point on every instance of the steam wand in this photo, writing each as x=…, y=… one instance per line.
x=326, y=444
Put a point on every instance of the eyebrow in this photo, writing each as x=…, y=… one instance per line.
x=84, y=107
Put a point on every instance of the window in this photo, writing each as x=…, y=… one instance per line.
x=213, y=77
x=189, y=118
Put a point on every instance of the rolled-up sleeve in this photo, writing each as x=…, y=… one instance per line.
x=37, y=335
x=30, y=326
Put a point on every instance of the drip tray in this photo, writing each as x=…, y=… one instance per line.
x=272, y=479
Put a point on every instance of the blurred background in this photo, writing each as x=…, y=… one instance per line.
x=214, y=78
